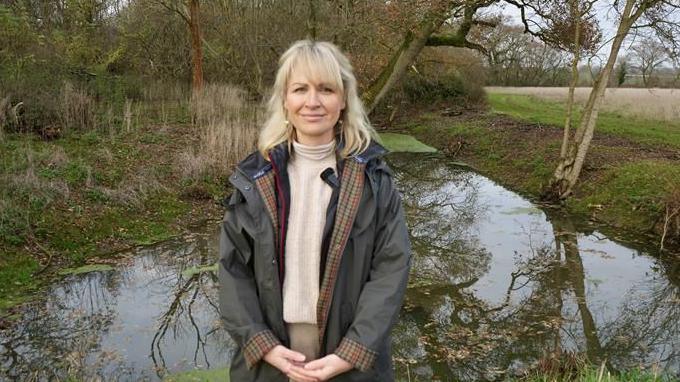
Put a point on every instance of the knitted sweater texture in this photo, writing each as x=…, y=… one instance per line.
x=309, y=200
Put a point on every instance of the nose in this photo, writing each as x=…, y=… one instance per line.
x=312, y=99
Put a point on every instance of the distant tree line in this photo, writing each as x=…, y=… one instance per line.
x=516, y=58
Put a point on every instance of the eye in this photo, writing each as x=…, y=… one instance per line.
x=327, y=89
x=298, y=89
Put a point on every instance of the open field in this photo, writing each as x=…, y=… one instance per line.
x=542, y=111
x=657, y=104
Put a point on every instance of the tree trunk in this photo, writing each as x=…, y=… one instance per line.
x=569, y=168
x=311, y=21
x=574, y=8
x=196, y=48
x=409, y=49
x=414, y=42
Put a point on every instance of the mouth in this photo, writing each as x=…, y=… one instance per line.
x=312, y=117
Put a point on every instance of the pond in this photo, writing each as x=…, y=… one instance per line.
x=496, y=284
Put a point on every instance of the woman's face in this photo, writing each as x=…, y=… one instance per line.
x=312, y=108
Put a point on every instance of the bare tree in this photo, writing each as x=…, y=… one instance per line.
x=515, y=58
x=649, y=53
x=633, y=14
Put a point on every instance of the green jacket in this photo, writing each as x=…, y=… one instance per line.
x=364, y=266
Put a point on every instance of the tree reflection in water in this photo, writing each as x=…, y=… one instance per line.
x=98, y=325
x=441, y=204
x=447, y=331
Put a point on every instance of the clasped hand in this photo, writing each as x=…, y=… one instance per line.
x=292, y=364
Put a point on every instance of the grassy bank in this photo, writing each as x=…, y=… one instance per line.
x=585, y=373
x=632, y=171
x=593, y=374
x=68, y=201
x=74, y=199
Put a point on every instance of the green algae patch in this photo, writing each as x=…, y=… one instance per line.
x=86, y=269
x=199, y=269
x=404, y=143
x=221, y=375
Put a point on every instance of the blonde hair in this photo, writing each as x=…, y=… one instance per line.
x=323, y=62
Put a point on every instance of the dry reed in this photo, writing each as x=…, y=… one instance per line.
x=77, y=108
x=228, y=127
x=9, y=115
x=127, y=115
x=671, y=218
x=164, y=91
x=217, y=102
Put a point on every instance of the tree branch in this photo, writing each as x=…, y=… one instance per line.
x=174, y=9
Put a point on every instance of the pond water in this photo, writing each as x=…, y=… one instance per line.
x=496, y=284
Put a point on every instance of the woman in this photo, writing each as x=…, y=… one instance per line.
x=314, y=251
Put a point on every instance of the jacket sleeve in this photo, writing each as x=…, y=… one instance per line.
x=239, y=304
x=382, y=296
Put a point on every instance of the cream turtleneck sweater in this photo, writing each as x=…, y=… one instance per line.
x=309, y=198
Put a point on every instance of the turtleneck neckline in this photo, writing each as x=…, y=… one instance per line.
x=314, y=153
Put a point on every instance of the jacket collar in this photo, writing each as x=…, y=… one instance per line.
x=374, y=150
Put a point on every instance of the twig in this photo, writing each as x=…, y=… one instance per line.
x=45, y=251
x=668, y=217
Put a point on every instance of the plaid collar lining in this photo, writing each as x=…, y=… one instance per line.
x=351, y=188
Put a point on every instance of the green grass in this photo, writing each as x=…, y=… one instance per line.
x=404, y=143
x=195, y=270
x=83, y=195
x=535, y=110
x=16, y=273
x=492, y=152
x=631, y=194
x=221, y=375
x=594, y=374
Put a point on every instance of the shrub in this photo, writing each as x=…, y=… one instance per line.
x=448, y=73
x=440, y=75
x=421, y=89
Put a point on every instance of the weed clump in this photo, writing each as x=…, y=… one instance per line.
x=227, y=128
